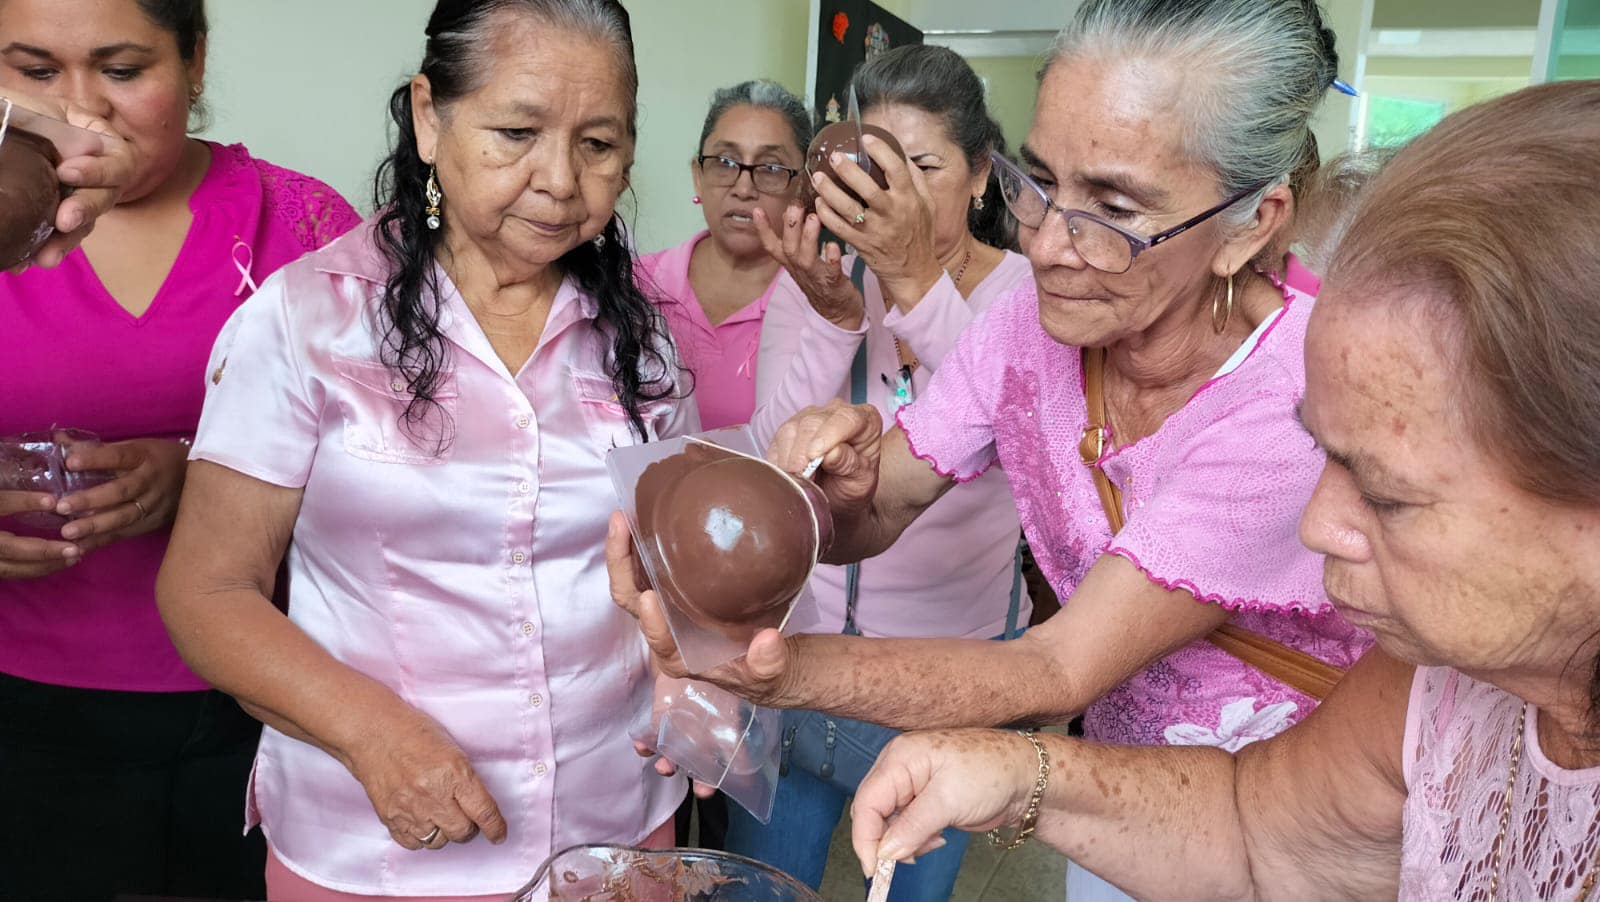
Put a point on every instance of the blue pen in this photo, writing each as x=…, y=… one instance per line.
x=1343, y=87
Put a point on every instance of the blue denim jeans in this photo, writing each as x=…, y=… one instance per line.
x=807, y=810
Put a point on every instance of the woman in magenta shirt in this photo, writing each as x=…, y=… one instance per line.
x=714, y=288
x=128, y=768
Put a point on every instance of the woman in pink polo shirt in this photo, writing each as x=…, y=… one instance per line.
x=119, y=768
x=425, y=407
x=714, y=288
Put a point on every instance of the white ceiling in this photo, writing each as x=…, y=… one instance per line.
x=1008, y=15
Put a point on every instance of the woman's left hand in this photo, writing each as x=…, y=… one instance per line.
x=923, y=783
x=896, y=235
x=143, y=498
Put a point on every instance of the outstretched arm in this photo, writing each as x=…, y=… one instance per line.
x=1314, y=813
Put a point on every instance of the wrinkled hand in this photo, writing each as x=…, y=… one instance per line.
x=896, y=236
x=816, y=269
x=149, y=472
x=98, y=180
x=923, y=783
x=849, y=439
x=417, y=778
x=23, y=557
x=758, y=676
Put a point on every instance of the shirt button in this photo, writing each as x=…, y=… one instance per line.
x=528, y=628
x=524, y=487
x=518, y=558
x=540, y=769
x=523, y=421
x=536, y=700
x=398, y=386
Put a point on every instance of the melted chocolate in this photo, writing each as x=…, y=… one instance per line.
x=840, y=137
x=736, y=536
x=29, y=195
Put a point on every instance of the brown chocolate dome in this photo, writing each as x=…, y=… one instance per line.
x=840, y=137
x=737, y=537
x=29, y=195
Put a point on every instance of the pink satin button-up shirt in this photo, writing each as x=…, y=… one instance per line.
x=467, y=575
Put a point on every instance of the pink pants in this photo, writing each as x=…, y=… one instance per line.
x=284, y=885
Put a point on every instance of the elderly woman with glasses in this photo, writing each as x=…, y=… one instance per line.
x=1460, y=518
x=715, y=288
x=1139, y=395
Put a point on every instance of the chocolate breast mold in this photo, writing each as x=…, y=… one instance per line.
x=29, y=195
x=735, y=537
x=840, y=137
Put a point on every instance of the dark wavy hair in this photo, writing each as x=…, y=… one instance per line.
x=412, y=344
x=938, y=81
x=185, y=19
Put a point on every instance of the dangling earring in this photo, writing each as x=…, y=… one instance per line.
x=600, y=241
x=977, y=203
x=697, y=200
x=431, y=193
x=1220, y=323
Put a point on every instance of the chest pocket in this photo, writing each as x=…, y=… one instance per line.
x=373, y=401
x=607, y=419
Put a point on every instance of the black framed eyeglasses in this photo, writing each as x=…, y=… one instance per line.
x=1103, y=245
x=723, y=172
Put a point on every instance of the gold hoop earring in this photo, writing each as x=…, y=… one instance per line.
x=1219, y=316
x=432, y=194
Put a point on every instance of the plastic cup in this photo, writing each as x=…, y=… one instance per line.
x=37, y=462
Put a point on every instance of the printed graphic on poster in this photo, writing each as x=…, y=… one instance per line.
x=851, y=32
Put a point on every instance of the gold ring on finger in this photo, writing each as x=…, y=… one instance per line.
x=140, y=505
x=428, y=840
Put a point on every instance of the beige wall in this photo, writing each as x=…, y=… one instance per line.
x=304, y=83
x=1013, y=87
x=1408, y=14
x=1334, y=123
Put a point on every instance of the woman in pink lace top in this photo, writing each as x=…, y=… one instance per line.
x=1454, y=380
x=121, y=770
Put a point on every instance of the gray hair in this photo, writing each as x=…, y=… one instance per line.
x=459, y=30
x=766, y=95
x=1328, y=203
x=1256, y=69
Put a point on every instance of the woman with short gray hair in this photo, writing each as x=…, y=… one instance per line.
x=1138, y=394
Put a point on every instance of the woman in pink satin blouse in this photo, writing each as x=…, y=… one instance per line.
x=424, y=408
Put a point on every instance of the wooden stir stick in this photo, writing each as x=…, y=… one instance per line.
x=881, y=881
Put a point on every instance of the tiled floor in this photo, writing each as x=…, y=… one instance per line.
x=1033, y=873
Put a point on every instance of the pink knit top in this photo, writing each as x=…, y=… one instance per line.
x=1459, y=738
x=74, y=357
x=1212, y=506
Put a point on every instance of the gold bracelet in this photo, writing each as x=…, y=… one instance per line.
x=1030, y=817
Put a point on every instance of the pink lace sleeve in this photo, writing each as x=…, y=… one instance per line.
x=1222, y=521
x=952, y=425
x=313, y=212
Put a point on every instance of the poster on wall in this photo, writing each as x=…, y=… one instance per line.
x=851, y=32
